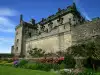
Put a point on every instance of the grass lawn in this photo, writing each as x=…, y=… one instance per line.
x=98, y=74
x=5, y=70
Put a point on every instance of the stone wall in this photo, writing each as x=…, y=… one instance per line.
x=51, y=43
x=85, y=31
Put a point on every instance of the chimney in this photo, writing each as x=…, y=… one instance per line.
x=33, y=21
x=59, y=10
x=21, y=19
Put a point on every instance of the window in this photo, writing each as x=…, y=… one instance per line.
x=16, y=49
x=17, y=40
x=30, y=34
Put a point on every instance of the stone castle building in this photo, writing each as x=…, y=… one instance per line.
x=55, y=33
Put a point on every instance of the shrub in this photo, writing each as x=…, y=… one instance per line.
x=86, y=72
x=69, y=61
x=10, y=60
x=55, y=66
x=37, y=66
x=6, y=64
x=66, y=73
x=62, y=66
x=41, y=66
x=44, y=66
x=0, y=61
x=30, y=66
x=22, y=63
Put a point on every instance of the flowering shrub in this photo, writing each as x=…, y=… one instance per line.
x=16, y=62
x=45, y=64
x=51, y=60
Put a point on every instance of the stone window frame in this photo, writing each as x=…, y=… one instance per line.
x=16, y=49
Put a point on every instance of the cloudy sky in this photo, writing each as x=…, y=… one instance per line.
x=37, y=9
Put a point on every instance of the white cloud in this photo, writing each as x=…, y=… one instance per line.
x=6, y=25
x=80, y=8
x=86, y=16
x=5, y=44
x=6, y=22
x=8, y=12
x=6, y=40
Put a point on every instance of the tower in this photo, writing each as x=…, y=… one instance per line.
x=23, y=31
x=18, y=45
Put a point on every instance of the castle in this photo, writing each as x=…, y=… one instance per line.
x=55, y=33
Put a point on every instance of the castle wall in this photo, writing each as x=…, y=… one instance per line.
x=85, y=31
x=56, y=33
x=61, y=39
x=55, y=40
x=51, y=43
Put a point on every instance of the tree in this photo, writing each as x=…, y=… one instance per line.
x=81, y=52
x=36, y=52
x=89, y=49
x=77, y=50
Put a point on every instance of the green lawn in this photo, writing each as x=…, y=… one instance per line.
x=5, y=70
x=98, y=74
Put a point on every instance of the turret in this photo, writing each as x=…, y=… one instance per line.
x=21, y=19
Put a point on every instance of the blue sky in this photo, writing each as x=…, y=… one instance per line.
x=37, y=9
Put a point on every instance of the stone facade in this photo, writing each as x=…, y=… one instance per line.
x=56, y=33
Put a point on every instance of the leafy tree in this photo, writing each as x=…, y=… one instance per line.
x=36, y=52
x=69, y=61
x=89, y=49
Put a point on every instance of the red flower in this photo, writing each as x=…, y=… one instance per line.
x=61, y=58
